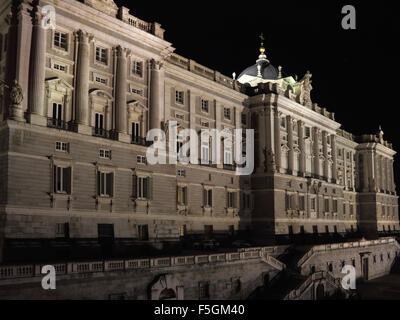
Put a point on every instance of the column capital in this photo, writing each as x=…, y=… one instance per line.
x=156, y=64
x=301, y=123
x=122, y=52
x=83, y=37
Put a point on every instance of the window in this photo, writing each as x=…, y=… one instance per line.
x=381, y=257
x=62, y=146
x=374, y=258
x=59, y=67
x=204, y=290
x=244, y=119
x=334, y=204
x=181, y=195
x=101, y=80
x=208, y=198
x=227, y=113
x=179, y=116
x=302, y=231
x=228, y=153
x=326, y=205
x=179, y=97
x=62, y=230
x=315, y=229
x=141, y=160
x=327, y=229
x=182, y=230
x=351, y=209
x=137, y=68
x=105, y=184
x=57, y=113
x=135, y=131
x=205, y=124
x=181, y=173
x=137, y=91
x=301, y=203
x=99, y=123
x=204, y=106
x=105, y=154
x=143, y=232
x=61, y=40
x=205, y=152
x=290, y=230
x=62, y=179
x=141, y=187
x=283, y=123
x=231, y=199
x=101, y=55
x=307, y=132
x=313, y=204
x=344, y=208
x=353, y=262
x=179, y=146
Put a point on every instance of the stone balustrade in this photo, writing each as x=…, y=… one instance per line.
x=203, y=71
x=339, y=246
x=296, y=293
x=34, y=270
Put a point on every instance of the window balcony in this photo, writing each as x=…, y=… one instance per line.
x=106, y=134
x=230, y=167
x=208, y=164
x=140, y=141
x=60, y=124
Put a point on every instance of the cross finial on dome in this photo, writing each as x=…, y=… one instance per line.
x=262, y=55
x=262, y=49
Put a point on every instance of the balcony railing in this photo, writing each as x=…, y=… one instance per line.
x=208, y=164
x=106, y=134
x=60, y=124
x=140, y=141
x=230, y=167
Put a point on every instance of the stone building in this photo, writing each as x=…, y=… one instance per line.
x=76, y=105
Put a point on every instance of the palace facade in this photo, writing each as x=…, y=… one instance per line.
x=78, y=101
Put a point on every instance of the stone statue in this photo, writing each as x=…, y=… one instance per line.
x=16, y=95
x=305, y=90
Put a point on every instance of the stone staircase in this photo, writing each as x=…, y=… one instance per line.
x=288, y=283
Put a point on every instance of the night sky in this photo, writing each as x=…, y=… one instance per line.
x=354, y=71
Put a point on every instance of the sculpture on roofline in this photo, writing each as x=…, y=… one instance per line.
x=304, y=97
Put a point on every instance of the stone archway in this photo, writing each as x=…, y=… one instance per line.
x=166, y=287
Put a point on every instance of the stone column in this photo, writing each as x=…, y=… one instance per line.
x=334, y=158
x=120, y=94
x=316, y=151
x=378, y=176
x=37, y=73
x=262, y=150
x=382, y=172
x=290, y=144
x=302, y=145
x=392, y=175
x=388, y=179
x=82, y=116
x=156, y=94
x=365, y=172
x=325, y=152
x=277, y=138
x=19, y=46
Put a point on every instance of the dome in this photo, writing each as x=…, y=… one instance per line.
x=268, y=71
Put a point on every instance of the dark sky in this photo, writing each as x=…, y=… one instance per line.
x=354, y=71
